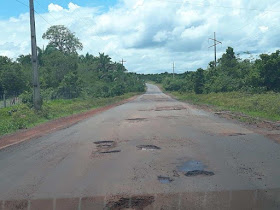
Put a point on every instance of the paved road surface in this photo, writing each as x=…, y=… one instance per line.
x=70, y=164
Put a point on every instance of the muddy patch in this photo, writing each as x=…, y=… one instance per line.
x=164, y=179
x=148, y=147
x=199, y=172
x=136, y=202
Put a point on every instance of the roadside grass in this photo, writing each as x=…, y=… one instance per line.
x=265, y=106
x=21, y=116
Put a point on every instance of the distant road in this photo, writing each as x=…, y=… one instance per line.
x=189, y=151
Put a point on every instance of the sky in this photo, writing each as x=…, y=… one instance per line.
x=148, y=34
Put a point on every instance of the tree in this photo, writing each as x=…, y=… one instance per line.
x=70, y=87
x=199, y=81
x=63, y=39
x=104, y=62
x=24, y=59
x=269, y=68
x=55, y=66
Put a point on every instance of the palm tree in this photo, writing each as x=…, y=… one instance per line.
x=104, y=62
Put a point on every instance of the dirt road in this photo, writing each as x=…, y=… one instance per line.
x=153, y=152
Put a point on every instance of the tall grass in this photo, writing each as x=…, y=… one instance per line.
x=21, y=116
x=266, y=105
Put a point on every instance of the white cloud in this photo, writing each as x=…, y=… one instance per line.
x=54, y=8
x=263, y=28
x=152, y=34
x=73, y=6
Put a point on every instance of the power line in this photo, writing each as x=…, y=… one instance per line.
x=22, y=3
x=43, y=9
x=34, y=11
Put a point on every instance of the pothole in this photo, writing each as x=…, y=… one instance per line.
x=136, y=202
x=237, y=134
x=148, y=147
x=164, y=179
x=103, y=142
x=104, y=145
x=170, y=108
x=199, y=172
x=194, y=168
x=112, y=151
x=136, y=119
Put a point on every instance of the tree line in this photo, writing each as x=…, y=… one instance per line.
x=66, y=74
x=231, y=74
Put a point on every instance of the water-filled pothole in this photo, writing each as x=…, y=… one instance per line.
x=164, y=179
x=148, y=147
x=194, y=168
x=136, y=202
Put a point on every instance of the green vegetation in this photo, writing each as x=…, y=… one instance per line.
x=265, y=105
x=64, y=74
x=243, y=85
x=21, y=116
x=69, y=82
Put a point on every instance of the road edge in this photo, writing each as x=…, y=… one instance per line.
x=55, y=125
x=260, y=128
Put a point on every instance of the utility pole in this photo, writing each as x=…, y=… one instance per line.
x=173, y=69
x=216, y=42
x=122, y=61
x=36, y=85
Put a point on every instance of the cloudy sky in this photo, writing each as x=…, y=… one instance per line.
x=148, y=34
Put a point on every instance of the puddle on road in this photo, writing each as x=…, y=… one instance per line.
x=148, y=147
x=164, y=179
x=194, y=168
x=136, y=202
